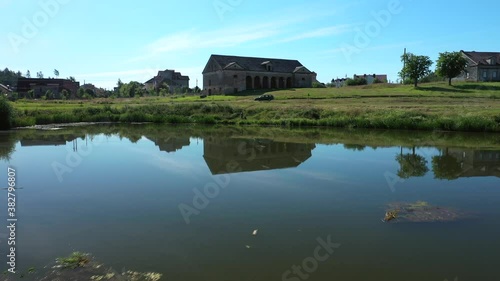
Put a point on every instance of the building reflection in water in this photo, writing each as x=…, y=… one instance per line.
x=170, y=144
x=49, y=140
x=253, y=155
x=453, y=163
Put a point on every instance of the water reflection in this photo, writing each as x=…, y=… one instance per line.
x=411, y=164
x=254, y=154
x=171, y=143
x=257, y=149
x=127, y=191
x=454, y=163
x=49, y=140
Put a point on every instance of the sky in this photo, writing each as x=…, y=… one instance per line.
x=99, y=41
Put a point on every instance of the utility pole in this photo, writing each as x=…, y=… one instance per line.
x=404, y=67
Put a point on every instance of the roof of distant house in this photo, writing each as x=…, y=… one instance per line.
x=258, y=64
x=4, y=88
x=480, y=58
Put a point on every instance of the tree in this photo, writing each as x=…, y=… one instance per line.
x=56, y=73
x=6, y=113
x=71, y=78
x=450, y=65
x=415, y=67
x=39, y=74
x=31, y=94
x=28, y=74
x=65, y=94
x=80, y=93
x=9, y=77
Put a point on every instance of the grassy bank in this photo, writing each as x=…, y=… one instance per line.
x=462, y=107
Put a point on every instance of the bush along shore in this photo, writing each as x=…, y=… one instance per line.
x=215, y=113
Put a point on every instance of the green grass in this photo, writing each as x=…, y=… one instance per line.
x=75, y=260
x=461, y=107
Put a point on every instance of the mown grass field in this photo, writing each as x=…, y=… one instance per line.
x=461, y=107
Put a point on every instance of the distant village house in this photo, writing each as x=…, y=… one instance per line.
x=40, y=86
x=174, y=80
x=372, y=78
x=232, y=74
x=481, y=66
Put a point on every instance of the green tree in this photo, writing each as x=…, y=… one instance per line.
x=64, y=94
x=415, y=67
x=80, y=93
x=39, y=74
x=450, y=65
x=6, y=114
x=9, y=77
x=131, y=89
x=49, y=95
x=28, y=74
x=56, y=73
x=72, y=79
x=31, y=94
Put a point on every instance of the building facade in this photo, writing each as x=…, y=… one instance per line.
x=174, y=80
x=371, y=78
x=481, y=66
x=40, y=86
x=232, y=74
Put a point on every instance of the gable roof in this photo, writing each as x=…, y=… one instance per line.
x=479, y=58
x=4, y=88
x=254, y=64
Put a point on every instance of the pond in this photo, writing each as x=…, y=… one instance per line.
x=231, y=203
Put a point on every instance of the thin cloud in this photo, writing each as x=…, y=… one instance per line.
x=189, y=40
x=322, y=32
x=193, y=39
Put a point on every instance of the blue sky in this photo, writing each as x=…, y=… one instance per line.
x=100, y=41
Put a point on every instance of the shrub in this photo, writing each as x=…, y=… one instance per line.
x=6, y=114
x=318, y=85
x=356, y=82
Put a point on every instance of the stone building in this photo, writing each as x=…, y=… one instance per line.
x=174, y=80
x=371, y=78
x=232, y=74
x=481, y=66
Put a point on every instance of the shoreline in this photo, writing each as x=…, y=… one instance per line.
x=225, y=115
x=465, y=107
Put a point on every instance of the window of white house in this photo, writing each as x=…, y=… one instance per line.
x=485, y=74
x=468, y=75
x=494, y=74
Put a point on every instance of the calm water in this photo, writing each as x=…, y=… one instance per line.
x=184, y=201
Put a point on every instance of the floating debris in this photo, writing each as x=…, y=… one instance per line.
x=390, y=215
x=254, y=233
x=79, y=266
x=421, y=211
